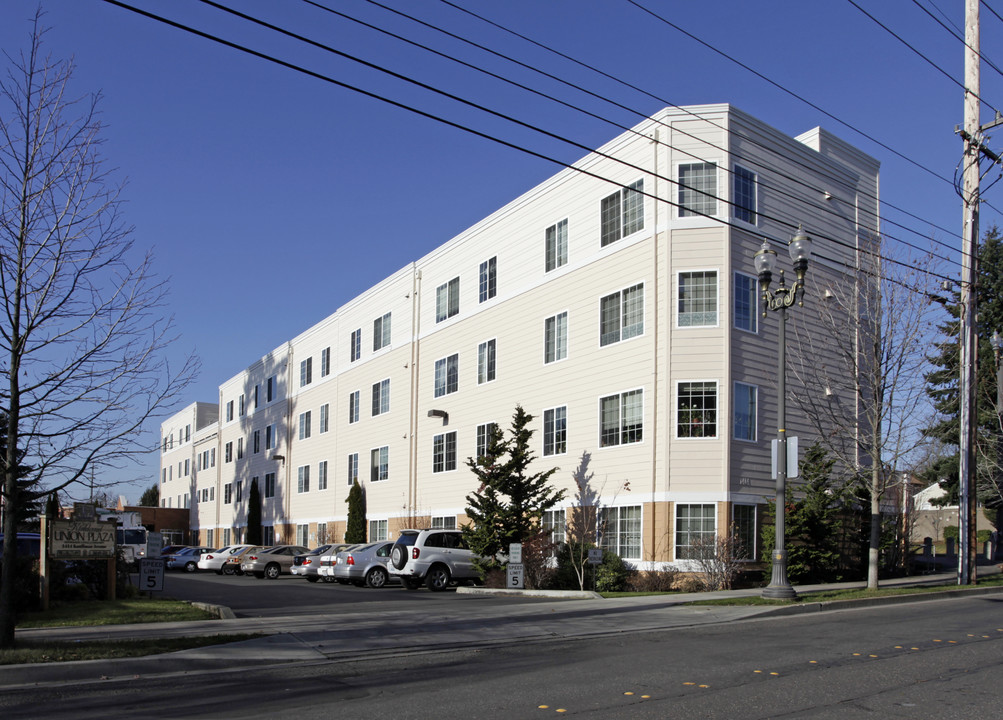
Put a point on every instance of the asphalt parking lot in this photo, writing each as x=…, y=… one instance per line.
x=290, y=595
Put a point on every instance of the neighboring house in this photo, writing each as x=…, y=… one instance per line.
x=618, y=307
x=930, y=520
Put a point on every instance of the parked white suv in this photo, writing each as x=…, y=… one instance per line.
x=435, y=557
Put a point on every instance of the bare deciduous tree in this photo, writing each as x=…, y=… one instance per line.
x=861, y=357
x=717, y=559
x=84, y=333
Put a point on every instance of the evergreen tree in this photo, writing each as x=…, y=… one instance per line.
x=355, y=530
x=254, y=534
x=942, y=384
x=510, y=501
x=150, y=496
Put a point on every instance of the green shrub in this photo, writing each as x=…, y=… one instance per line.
x=613, y=574
x=951, y=532
x=982, y=536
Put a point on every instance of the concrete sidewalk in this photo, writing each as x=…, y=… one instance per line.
x=333, y=637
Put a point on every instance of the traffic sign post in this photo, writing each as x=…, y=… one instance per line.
x=151, y=575
x=514, y=576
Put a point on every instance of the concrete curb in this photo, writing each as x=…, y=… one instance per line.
x=560, y=594
x=218, y=611
x=810, y=607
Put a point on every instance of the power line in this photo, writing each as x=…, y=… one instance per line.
x=730, y=171
x=957, y=36
x=924, y=57
x=989, y=8
x=631, y=86
x=504, y=116
x=478, y=133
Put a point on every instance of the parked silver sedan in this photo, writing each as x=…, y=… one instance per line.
x=271, y=562
x=308, y=565
x=364, y=565
x=214, y=560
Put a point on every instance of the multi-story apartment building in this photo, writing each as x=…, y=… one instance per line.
x=616, y=302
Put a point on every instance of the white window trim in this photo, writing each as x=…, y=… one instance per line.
x=619, y=506
x=644, y=313
x=543, y=442
x=755, y=305
x=688, y=562
x=675, y=298
x=567, y=338
x=484, y=342
x=732, y=210
x=621, y=393
x=675, y=410
x=699, y=220
x=734, y=404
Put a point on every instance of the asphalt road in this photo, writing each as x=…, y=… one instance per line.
x=937, y=659
x=292, y=595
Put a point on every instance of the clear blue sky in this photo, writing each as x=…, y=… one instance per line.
x=271, y=198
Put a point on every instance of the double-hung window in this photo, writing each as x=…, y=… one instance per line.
x=381, y=397
x=743, y=523
x=381, y=332
x=621, y=315
x=746, y=397
x=269, y=485
x=695, y=531
x=557, y=245
x=322, y=475
x=620, y=530
x=622, y=213
x=257, y=441
x=228, y=493
x=553, y=523
x=447, y=375
x=304, y=425
x=447, y=300
x=325, y=362
x=697, y=189
x=380, y=464
x=378, y=530
x=325, y=412
x=444, y=452
x=696, y=410
x=353, y=468
x=353, y=407
x=744, y=195
x=746, y=296
x=621, y=418
x=484, y=434
x=355, y=346
x=229, y=415
x=306, y=371
x=486, y=362
x=303, y=479
x=270, y=389
x=697, y=298
x=228, y=452
x=270, y=437
x=488, y=285
x=555, y=431
x=555, y=338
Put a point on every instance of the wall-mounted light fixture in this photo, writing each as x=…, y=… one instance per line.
x=440, y=414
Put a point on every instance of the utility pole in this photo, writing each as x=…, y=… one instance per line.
x=969, y=273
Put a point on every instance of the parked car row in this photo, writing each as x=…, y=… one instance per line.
x=433, y=557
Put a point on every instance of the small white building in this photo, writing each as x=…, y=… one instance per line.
x=616, y=302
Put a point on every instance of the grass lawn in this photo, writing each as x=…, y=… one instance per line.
x=114, y=612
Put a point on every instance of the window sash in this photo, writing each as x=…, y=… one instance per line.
x=744, y=195
x=303, y=479
x=353, y=468
x=620, y=529
x=555, y=431
x=381, y=332
x=324, y=412
x=447, y=372
x=696, y=410
x=556, y=337
x=447, y=300
x=355, y=347
x=304, y=425
x=381, y=397
x=322, y=475
x=697, y=189
x=444, y=452
x=746, y=297
x=380, y=464
x=743, y=522
x=557, y=245
x=693, y=523
x=746, y=397
x=697, y=298
x=486, y=362
x=353, y=407
x=484, y=433
x=306, y=371
x=488, y=285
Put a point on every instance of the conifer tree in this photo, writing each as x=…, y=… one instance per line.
x=254, y=534
x=355, y=531
x=510, y=501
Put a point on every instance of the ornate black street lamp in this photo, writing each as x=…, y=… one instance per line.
x=779, y=299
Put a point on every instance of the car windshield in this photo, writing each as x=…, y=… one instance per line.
x=407, y=539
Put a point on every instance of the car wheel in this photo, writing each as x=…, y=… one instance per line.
x=437, y=578
x=228, y=569
x=272, y=571
x=312, y=578
x=398, y=556
x=376, y=578
x=191, y=567
x=411, y=583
